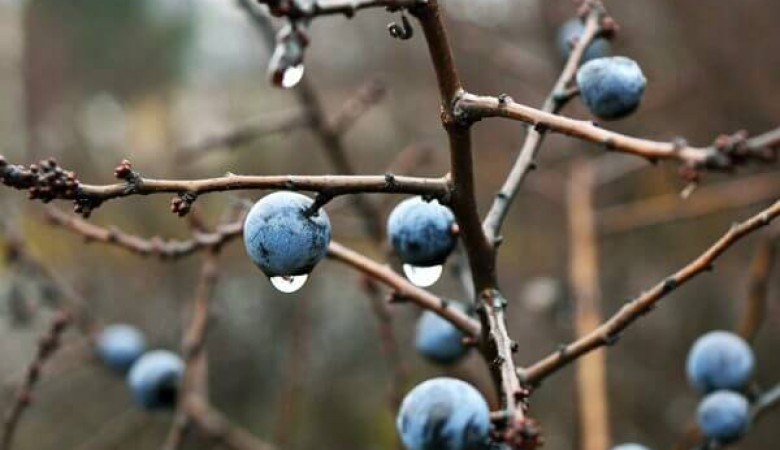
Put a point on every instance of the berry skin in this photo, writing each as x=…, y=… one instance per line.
x=723, y=416
x=119, y=346
x=444, y=414
x=720, y=360
x=611, y=87
x=439, y=340
x=283, y=238
x=421, y=232
x=154, y=379
x=630, y=447
x=570, y=32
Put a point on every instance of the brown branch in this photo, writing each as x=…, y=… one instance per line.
x=705, y=200
x=217, y=427
x=163, y=249
x=193, y=347
x=47, y=181
x=348, y=8
x=554, y=102
x=47, y=346
x=608, y=332
x=592, y=399
x=243, y=135
x=720, y=156
x=754, y=312
x=403, y=289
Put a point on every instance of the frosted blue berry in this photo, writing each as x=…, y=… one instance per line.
x=283, y=237
x=155, y=379
x=611, y=87
x=444, y=414
x=421, y=232
x=723, y=416
x=570, y=32
x=720, y=360
x=119, y=346
x=438, y=339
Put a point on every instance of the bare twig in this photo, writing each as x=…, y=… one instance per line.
x=47, y=346
x=554, y=102
x=47, y=181
x=593, y=406
x=608, y=332
x=218, y=428
x=725, y=155
x=754, y=310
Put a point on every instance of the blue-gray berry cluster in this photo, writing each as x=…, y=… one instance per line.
x=570, y=32
x=438, y=339
x=119, y=346
x=155, y=379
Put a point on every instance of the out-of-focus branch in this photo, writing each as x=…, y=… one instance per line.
x=243, y=135
x=219, y=429
x=608, y=332
x=592, y=399
x=754, y=309
x=47, y=181
x=296, y=10
x=726, y=154
x=193, y=348
x=47, y=346
x=160, y=248
x=554, y=102
x=705, y=200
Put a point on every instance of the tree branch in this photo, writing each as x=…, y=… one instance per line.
x=610, y=330
x=534, y=138
x=47, y=181
x=727, y=154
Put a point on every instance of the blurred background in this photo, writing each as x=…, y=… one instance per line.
x=91, y=82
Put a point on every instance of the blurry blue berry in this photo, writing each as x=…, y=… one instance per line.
x=155, y=379
x=720, y=360
x=421, y=232
x=570, y=32
x=611, y=87
x=283, y=238
x=439, y=340
x=444, y=414
x=119, y=346
x=723, y=416
x=630, y=447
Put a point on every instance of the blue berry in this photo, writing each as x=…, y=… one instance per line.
x=444, y=414
x=155, y=378
x=284, y=238
x=723, y=416
x=611, y=87
x=570, y=32
x=439, y=340
x=421, y=232
x=119, y=346
x=720, y=360
x=630, y=447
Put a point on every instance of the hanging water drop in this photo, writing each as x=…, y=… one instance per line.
x=292, y=76
x=423, y=276
x=289, y=283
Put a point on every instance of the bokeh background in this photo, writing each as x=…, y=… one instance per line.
x=94, y=81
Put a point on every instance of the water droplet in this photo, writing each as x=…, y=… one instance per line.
x=292, y=76
x=289, y=284
x=423, y=276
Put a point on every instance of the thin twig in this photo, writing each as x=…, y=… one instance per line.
x=219, y=429
x=47, y=346
x=534, y=138
x=608, y=332
x=760, y=148
x=754, y=310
